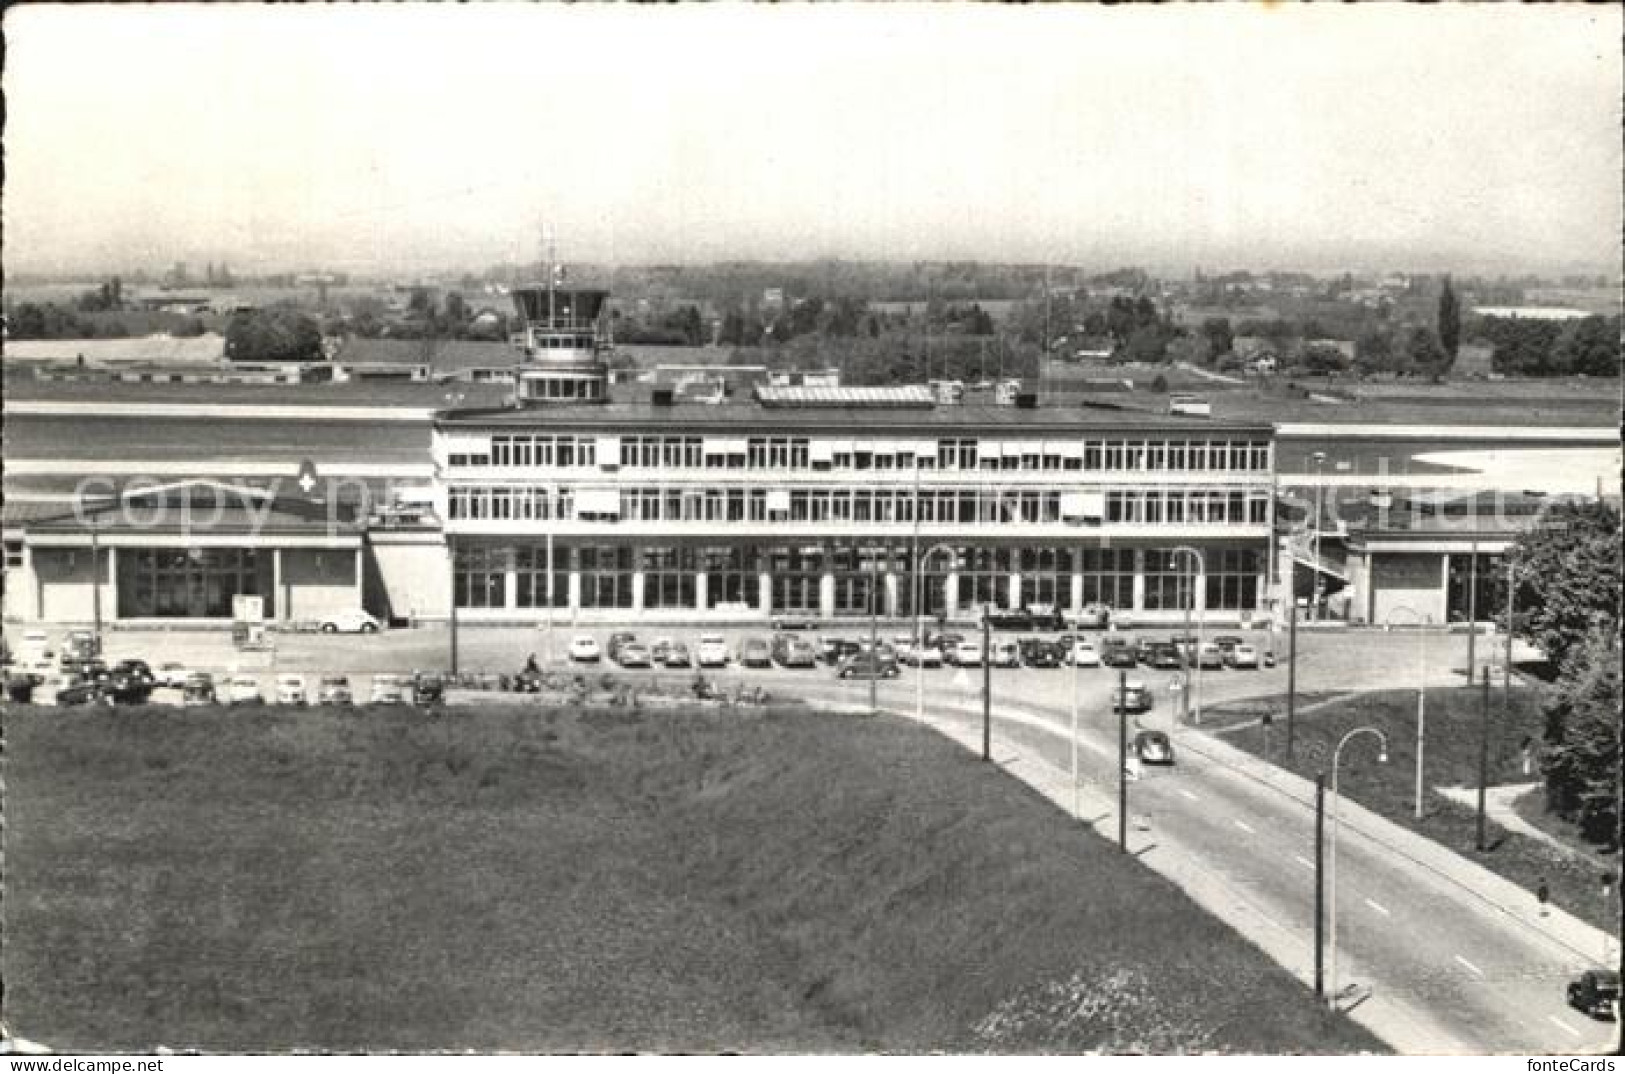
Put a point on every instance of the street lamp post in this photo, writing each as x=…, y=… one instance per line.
x=1196, y=674
x=1382, y=757
x=1423, y=622
x=1314, y=535
x=1072, y=654
x=919, y=639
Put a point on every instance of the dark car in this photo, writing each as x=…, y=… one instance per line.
x=1596, y=992
x=1227, y=643
x=1009, y=621
x=1164, y=657
x=944, y=643
x=126, y=686
x=1153, y=747
x=756, y=653
x=1036, y=653
x=792, y=622
x=616, y=641
x=136, y=669
x=76, y=690
x=1134, y=697
x=869, y=666
x=1117, y=653
x=833, y=650
x=428, y=689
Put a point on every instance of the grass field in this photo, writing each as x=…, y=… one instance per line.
x=1454, y=730
x=507, y=878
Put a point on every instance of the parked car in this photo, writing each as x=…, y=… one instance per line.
x=633, y=654
x=1595, y=992
x=659, y=650
x=71, y=689
x=967, y=654
x=427, y=688
x=924, y=656
x=243, y=690
x=334, y=690
x=1132, y=696
x=1153, y=747
x=1037, y=653
x=1210, y=656
x=389, y=690
x=756, y=653
x=612, y=649
x=81, y=644
x=1083, y=654
x=584, y=649
x=833, y=650
x=869, y=666
x=198, y=689
x=944, y=643
x=712, y=651
x=1117, y=653
x=290, y=689
x=350, y=621
x=172, y=674
x=790, y=652
x=1093, y=615
x=137, y=670
x=1242, y=656
x=1014, y=620
x=676, y=656
x=1165, y=656
x=1227, y=642
x=127, y=687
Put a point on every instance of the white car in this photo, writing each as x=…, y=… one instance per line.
x=1243, y=656
x=1006, y=654
x=172, y=674
x=712, y=651
x=353, y=621
x=968, y=654
x=390, y=690
x=584, y=649
x=243, y=690
x=923, y=657
x=290, y=689
x=1084, y=655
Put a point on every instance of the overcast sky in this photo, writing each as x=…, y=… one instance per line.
x=1456, y=137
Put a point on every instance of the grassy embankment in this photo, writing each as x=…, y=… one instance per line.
x=513, y=878
x=1454, y=733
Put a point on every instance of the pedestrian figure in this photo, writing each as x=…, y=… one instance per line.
x=1544, y=894
x=530, y=665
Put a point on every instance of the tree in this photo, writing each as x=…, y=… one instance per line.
x=1581, y=762
x=1423, y=354
x=278, y=334
x=1375, y=351
x=1590, y=346
x=1219, y=335
x=1569, y=576
x=1449, y=320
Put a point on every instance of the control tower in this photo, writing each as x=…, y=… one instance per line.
x=564, y=343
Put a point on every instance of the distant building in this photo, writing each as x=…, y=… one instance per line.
x=1531, y=313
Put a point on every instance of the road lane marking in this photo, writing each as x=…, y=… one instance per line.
x=1377, y=907
x=1244, y=826
x=1564, y=1026
x=1189, y=795
x=1303, y=861
x=1470, y=966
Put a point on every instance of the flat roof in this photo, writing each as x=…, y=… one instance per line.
x=697, y=417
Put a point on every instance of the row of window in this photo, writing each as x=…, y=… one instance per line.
x=1202, y=506
x=802, y=453
x=733, y=575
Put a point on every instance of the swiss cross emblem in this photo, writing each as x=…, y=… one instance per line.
x=307, y=477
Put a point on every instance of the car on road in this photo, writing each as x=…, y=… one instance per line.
x=966, y=654
x=350, y=621
x=659, y=650
x=1153, y=747
x=172, y=674
x=584, y=649
x=712, y=651
x=1595, y=992
x=128, y=686
x=198, y=689
x=390, y=690
x=334, y=690
x=290, y=689
x=1083, y=654
x=793, y=652
x=756, y=653
x=71, y=689
x=428, y=688
x=944, y=643
x=633, y=654
x=877, y=665
x=676, y=656
x=243, y=690
x=833, y=650
x=612, y=648
x=136, y=670
x=1132, y=696
x=1227, y=642
x=1242, y=656
x=1006, y=654
x=1210, y=656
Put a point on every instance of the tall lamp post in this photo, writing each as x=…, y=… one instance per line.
x=1337, y=756
x=1422, y=622
x=919, y=639
x=1319, y=458
x=1196, y=654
